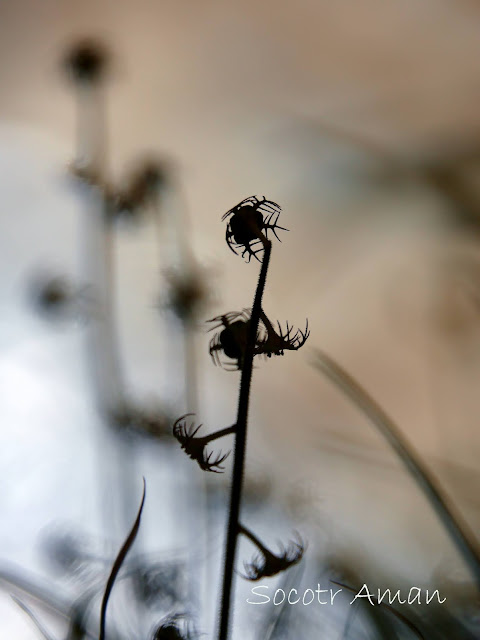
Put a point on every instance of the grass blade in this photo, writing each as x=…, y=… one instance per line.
x=117, y=565
x=458, y=530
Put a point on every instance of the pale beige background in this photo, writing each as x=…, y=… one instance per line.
x=248, y=98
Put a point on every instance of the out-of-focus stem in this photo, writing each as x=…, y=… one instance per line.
x=98, y=247
x=456, y=528
x=103, y=353
x=253, y=538
x=179, y=256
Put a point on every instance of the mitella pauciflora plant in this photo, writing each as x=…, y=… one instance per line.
x=242, y=336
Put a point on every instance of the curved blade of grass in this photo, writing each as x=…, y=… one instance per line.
x=119, y=560
x=408, y=623
x=14, y=577
x=382, y=624
x=279, y=618
x=456, y=528
x=32, y=617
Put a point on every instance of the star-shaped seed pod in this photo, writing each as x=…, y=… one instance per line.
x=266, y=564
x=275, y=343
x=195, y=447
x=232, y=339
x=249, y=223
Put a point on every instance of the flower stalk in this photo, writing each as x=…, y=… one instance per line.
x=240, y=446
x=244, y=335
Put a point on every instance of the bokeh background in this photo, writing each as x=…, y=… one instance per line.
x=361, y=120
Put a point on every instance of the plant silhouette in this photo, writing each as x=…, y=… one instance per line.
x=242, y=336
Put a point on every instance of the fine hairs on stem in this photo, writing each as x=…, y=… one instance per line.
x=243, y=336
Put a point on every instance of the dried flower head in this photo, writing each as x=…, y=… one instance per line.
x=232, y=340
x=143, y=187
x=161, y=584
x=187, y=293
x=195, y=447
x=276, y=343
x=86, y=61
x=117, y=565
x=174, y=627
x=249, y=223
x=53, y=296
x=66, y=552
x=146, y=420
x=266, y=564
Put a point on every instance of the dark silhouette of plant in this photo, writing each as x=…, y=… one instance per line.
x=175, y=627
x=243, y=336
x=232, y=340
x=266, y=564
x=58, y=300
x=246, y=221
x=77, y=614
x=194, y=447
x=117, y=565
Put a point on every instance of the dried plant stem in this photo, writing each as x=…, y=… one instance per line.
x=240, y=447
x=456, y=528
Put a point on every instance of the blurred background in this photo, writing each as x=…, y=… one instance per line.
x=361, y=120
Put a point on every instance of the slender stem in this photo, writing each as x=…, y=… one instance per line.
x=219, y=434
x=240, y=447
x=266, y=322
x=456, y=528
x=253, y=538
